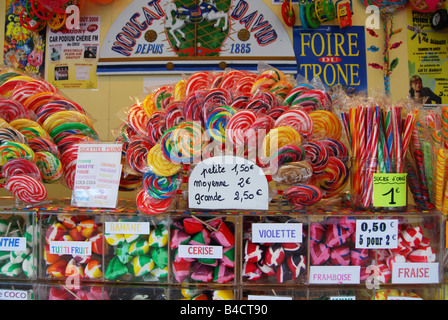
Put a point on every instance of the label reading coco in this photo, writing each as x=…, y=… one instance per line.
x=186, y=251
x=376, y=234
x=389, y=190
x=13, y=294
x=227, y=182
x=277, y=232
x=74, y=248
x=127, y=227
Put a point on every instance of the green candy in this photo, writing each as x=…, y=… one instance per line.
x=28, y=266
x=122, y=252
x=139, y=247
x=158, y=237
x=160, y=272
x=160, y=257
x=141, y=265
x=115, y=269
x=11, y=269
x=18, y=256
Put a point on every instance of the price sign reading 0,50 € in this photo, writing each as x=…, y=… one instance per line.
x=377, y=234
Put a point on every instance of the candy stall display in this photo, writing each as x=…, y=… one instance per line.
x=136, y=249
x=71, y=247
x=275, y=250
x=18, y=232
x=203, y=250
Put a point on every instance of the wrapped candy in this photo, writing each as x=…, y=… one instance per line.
x=195, y=233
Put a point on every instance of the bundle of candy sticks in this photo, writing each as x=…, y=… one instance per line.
x=379, y=138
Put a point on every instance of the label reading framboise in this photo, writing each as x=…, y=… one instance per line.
x=335, y=274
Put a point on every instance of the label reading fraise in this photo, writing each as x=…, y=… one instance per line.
x=277, y=232
x=74, y=248
x=193, y=251
x=414, y=273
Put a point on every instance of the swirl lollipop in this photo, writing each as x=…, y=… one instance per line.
x=148, y=105
x=179, y=90
x=11, y=110
x=334, y=177
x=194, y=104
x=63, y=117
x=175, y=114
x=138, y=119
x=149, y=205
x=34, y=132
x=26, y=188
x=184, y=143
x=11, y=150
x=198, y=81
x=296, y=92
x=266, y=80
x=258, y=131
x=42, y=144
x=49, y=165
x=217, y=122
x=160, y=187
x=35, y=101
x=245, y=84
x=281, y=89
x=156, y=126
x=11, y=134
x=20, y=166
x=336, y=149
x=238, y=124
x=158, y=163
x=326, y=125
x=297, y=119
x=22, y=93
x=137, y=155
x=52, y=107
x=317, y=155
x=279, y=137
x=286, y=154
x=314, y=99
x=303, y=195
x=163, y=96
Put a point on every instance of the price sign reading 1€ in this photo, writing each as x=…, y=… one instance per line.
x=389, y=190
x=228, y=182
x=377, y=234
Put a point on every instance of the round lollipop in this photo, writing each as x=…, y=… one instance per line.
x=11, y=150
x=11, y=110
x=26, y=188
x=20, y=166
x=160, y=187
x=159, y=164
x=303, y=195
x=149, y=205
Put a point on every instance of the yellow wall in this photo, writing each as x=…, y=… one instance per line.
x=116, y=92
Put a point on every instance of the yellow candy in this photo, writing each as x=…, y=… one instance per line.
x=179, y=90
x=20, y=124
x=114, y=239
x=223, y=295
x=158, y=238
x=148, y=105
x=279, y=137
x=62, y=117
x=159, y=164
x=326, y=125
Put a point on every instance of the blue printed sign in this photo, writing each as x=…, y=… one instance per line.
x=335, y=55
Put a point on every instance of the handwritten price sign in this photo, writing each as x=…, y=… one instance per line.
x=228, y=182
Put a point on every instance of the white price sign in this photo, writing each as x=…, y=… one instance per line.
x=377, y=234
x=228, y=182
